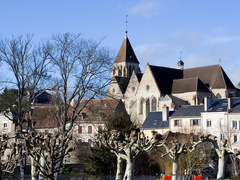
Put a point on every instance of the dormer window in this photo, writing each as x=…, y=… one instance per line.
x=80, y=117
x=155, y=122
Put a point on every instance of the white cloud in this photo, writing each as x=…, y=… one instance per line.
x=146, y=8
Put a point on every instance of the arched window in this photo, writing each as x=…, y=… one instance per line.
x=154, y=104
x=147, y=107
x=141, y=106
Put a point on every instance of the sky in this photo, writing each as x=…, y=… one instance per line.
x=206, y=32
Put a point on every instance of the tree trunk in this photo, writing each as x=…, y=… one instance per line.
x=33, y=170
x=21, y=164
x=42, y=164
x=175, y=168
x=221, y=167
x=129, y=173
x=119, y=173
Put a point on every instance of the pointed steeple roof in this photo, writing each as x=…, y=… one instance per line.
x=126, y=53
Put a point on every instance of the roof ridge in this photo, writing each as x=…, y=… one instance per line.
x=203, y=66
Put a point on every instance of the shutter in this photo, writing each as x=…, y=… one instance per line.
x=191, y=122
x=199, y=122
x=89, y=129
x=79, y=129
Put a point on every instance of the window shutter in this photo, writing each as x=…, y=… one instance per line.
x=89, y=129
x=191, y=122
x=199, y=122
x=79, y=129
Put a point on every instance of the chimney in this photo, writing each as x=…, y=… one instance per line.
x=229, y=103
x=165, y=113
x=207, y=103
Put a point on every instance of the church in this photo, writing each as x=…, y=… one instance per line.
x=157, y=86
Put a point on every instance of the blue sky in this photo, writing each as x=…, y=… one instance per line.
x=204, y=31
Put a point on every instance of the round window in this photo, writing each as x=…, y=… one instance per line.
x=133, y=89
x=147, y=87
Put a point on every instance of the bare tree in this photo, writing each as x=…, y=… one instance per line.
x=222, y=153
x=82, y=67
x=46, y=151
x=10, y=153
x=127, y=147
x=28, y=66
x=174, y=153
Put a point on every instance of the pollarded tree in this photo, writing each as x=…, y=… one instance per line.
x=27, y=64
x=47, y=151
x=222, y=152
x=174, y=152
x=127, y=147
x=10, y=153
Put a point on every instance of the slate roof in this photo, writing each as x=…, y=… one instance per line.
x=139, y=76
x=212, y=76
x=122, y=82
x=235, y=105
x=188, y=111
x=189, y=85
x=219, y=105
x=154, y=121
x=126, y=53
x=164, y=77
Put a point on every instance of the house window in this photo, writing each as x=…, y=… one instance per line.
x=195, y=122
x=5, y=125
x=79, y=129
x=222, y=122
x=89, y=129
x=154, y=104
x=178, y=122
x=235, y=149
x=89, y=142
x=141, y=106
x=67, y=159
x=209, y=123
x=221, y=136
x=80, y=140
x=81, y=117
x=235, y=138
x=234, y=124
x=99, y=118
x=100, y=128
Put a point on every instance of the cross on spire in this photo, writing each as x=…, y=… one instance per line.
x=126, y=25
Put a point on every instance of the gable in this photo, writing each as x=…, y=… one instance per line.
x=147, y=80
x=164, y=77
x=132, y=85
